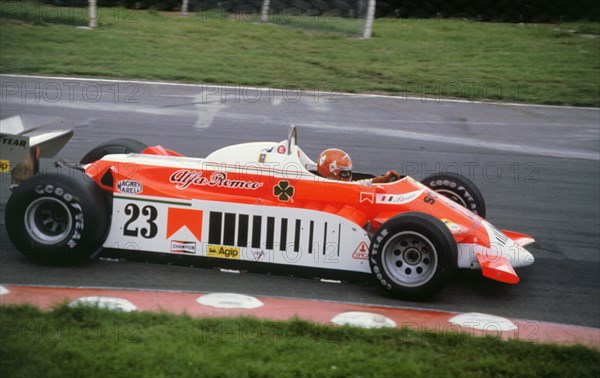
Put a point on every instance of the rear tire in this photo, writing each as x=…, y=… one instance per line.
x=58, y=218
x=459, y=189
x=413, y=255
x=115, y=146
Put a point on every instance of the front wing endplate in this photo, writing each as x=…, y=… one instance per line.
x=497, y=268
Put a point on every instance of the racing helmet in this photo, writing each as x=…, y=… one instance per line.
x=335, y=164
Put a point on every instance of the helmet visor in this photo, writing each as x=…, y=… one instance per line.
x=346, y=174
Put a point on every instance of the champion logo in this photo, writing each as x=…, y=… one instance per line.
x=181, y=246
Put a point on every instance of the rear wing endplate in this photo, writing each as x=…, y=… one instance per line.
x=24, y=140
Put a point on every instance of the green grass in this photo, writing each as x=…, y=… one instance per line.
x=440, y=59
x=90, y=342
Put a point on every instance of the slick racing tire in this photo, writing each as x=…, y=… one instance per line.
x=459, y=189
x=58, y=218
x=413, y=255
x=115, y=146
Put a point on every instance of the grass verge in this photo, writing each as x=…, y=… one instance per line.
x=438, y=59
x=90, y=342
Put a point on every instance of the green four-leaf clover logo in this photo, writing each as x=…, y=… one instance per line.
x=284, y=191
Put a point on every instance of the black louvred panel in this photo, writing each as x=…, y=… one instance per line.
x=270, y=232
x=214, y=228
x=243, y=231
x=325, y=240
x=256, y=229
x=310, y=236
x=297, y=235
x=339, y=238
x=283, y=235
x=229, y=229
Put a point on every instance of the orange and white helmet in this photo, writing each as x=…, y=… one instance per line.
x=335, y=164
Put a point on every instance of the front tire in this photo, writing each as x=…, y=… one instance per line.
x=58, y=218
x=459, y=189
x=413, y=255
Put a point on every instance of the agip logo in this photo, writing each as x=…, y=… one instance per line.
x=223, y=252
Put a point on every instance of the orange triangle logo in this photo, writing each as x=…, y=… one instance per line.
x=178, y=218
x=361, y=252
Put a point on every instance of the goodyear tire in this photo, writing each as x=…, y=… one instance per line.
x=413, y=255
x=459, y=189
x=58, y=218
x=115, y=146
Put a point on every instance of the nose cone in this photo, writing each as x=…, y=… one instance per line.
x=526, y=257
x=510, y=246
x=517, y=255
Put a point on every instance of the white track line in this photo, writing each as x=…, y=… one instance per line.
x=166, y=83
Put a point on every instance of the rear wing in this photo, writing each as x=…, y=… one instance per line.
x=24, y=140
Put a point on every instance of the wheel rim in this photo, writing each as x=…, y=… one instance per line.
x=410, y=259
x=453, y=196
x=48, y=220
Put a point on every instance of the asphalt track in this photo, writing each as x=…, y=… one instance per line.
x=538, y=167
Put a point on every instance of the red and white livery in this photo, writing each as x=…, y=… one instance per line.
x=262, y=204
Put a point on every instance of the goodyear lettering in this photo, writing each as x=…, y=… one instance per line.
x=73, y=242
x=184, y=178
x=74, y=204
x=8, y=141
x=223, y=252
x=79, y=221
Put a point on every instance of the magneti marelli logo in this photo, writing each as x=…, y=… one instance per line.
x=284, y=191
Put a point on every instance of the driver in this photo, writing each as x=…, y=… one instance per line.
x=335, y=164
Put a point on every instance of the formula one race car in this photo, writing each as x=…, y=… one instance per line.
x=261, y=204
